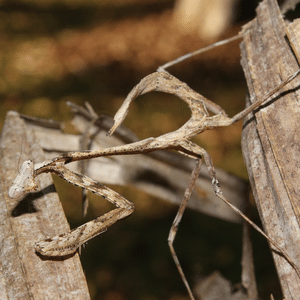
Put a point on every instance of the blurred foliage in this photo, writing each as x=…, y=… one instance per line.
x=86, y=50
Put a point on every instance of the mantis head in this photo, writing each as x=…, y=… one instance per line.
x=24, y=182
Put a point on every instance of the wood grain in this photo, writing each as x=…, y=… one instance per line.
x=24, y=274
x=270, y=141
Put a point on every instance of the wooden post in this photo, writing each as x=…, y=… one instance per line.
x=271, y=139
x=23, y=273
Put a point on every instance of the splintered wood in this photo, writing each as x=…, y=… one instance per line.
x=270, y=141
x=24, y=274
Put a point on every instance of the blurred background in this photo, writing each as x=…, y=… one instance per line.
x=52, y=51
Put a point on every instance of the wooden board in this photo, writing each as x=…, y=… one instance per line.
x=271, y=140
x=23, y=273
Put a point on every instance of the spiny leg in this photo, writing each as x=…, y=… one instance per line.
x=193, y=149
x=175, y=225
x=25, y=180
x=165, y=82
x=143, y=146
x=252, y=107
x=67, y=243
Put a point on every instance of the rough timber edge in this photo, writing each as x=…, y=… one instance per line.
x=24, y=274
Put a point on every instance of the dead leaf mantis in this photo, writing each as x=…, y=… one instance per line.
x=179, y=140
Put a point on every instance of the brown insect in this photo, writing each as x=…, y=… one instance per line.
x=178, y=140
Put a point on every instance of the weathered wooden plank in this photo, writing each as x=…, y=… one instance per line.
x=270, y=141
x=25, y=274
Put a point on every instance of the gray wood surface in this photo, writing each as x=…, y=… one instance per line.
x=23, y=273
x=270, y=140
